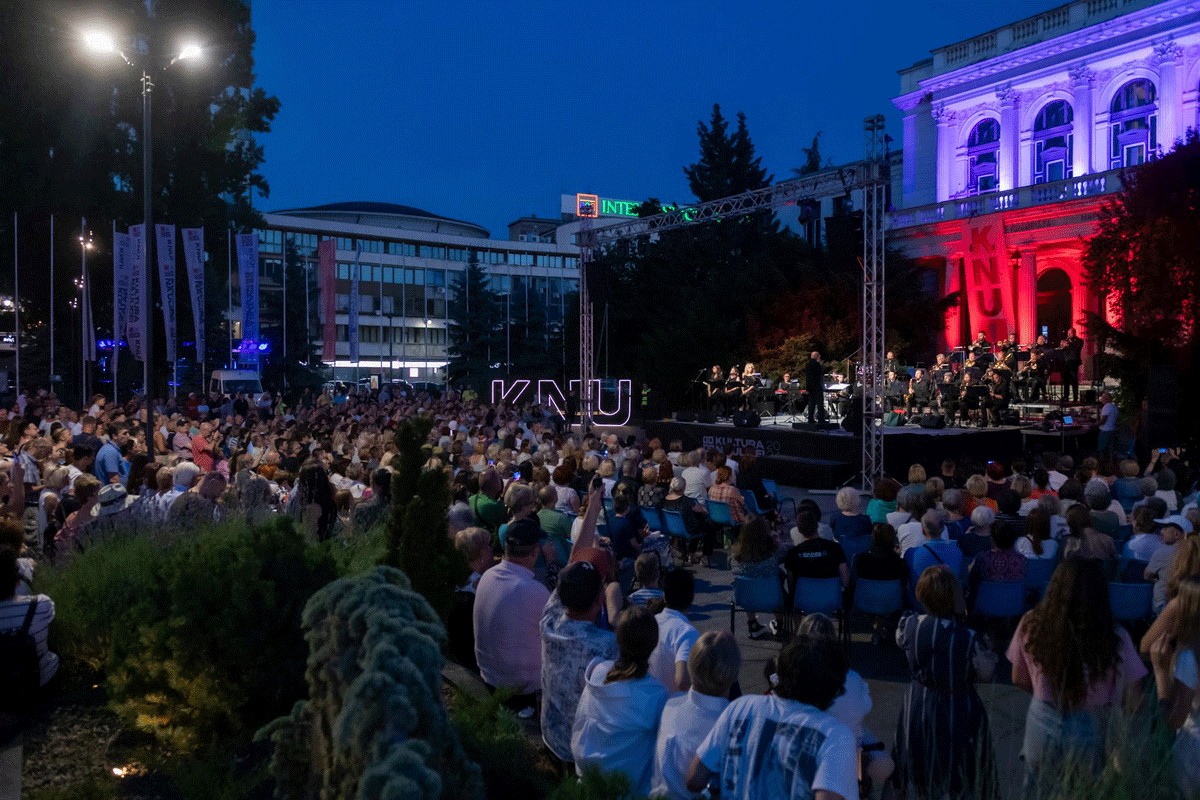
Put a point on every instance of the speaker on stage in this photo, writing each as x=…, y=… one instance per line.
x=685, y=416
x=745, y=419
x=932, y=421
x=707, y=417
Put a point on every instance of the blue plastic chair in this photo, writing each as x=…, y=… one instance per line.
x=822, y=596
x=719, y=513
x=751, y=502
x=1037, y=575
x=756, y=595
x=1131, y=601
x=676, y=529
x=1132, y=570
x=853, y=546
x=1000, y=599
x=878, y=598
x=773, y=489
x=653, y=519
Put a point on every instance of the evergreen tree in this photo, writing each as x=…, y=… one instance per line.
x=812, y=157
x=728, y=164
x=474, y=314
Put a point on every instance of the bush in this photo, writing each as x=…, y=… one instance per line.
x=374, y=724
x=494, y=738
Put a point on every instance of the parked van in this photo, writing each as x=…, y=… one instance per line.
x=232, y=381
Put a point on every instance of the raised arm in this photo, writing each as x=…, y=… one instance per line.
x=587, y=534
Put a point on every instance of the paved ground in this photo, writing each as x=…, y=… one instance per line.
x=884, y=667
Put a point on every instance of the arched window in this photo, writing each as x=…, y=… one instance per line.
x=1133, y=119
x=983, y=145
x=1053, y=144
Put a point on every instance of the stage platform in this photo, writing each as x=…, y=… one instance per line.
x=827, y=458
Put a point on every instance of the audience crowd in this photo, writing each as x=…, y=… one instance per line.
x=577, y=606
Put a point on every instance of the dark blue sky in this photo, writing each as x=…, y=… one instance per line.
x=488, y=110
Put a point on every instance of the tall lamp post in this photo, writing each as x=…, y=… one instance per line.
x=102, y=42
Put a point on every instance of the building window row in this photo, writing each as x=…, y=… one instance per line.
x=374, y=334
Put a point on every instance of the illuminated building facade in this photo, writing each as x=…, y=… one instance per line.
x=1012, y=142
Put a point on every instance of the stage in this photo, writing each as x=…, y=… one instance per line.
x=825, y=459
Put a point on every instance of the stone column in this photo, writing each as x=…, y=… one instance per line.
x=1085, y=125
x=910, y=147
x=1007, y=168
x=945, y=152
x=1170, y=99
x=1026, y=300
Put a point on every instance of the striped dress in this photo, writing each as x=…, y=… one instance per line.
x=943, y=746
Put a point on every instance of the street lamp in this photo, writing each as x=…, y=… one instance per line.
x=86, y=243
x=102, y=42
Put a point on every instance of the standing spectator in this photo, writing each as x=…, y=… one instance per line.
x=943, y=745
x=757, y=555
x=849, y=522
x=312, y=501
x=676, y=636
x=785, y=744
x=509, y=603
x=571, y=641
x=616, y=722
x=1108, y=425
x=1176, y=677
x=687, y=719
x=1077, y=662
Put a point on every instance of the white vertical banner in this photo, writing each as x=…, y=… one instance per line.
x=247, y=257
x=193, y=259
x=122, y=273
x=166, y=281
x=352, y=328
x=135, y=321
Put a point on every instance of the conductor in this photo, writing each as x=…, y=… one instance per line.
x=814, y=375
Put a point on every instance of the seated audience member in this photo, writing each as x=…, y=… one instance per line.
x=943, y=745
x=952, y=508
x=571, y=641
x=554, y=523
x=676, y=635
x=1002, y=562
x=1023, y=487
x=509, y=602
x=997, y=479
x=977, y=494
x=882, y=562
x=1145, y=539
x=814, y=557
x=687, y=719
x=1099, y=501
x=646, y=572
x=883, y=499
x=935, y=549
x=696, y=476
x=852, y=705
x=724, y=491
x=623, y=530
x=978, y=538
x=475, y=546
x=1041, y=484
x=908, y=524
x=749, y=478
x=1037, y=541
x=1176, y=678
x=1167, y=479
x=15, y=609
x=1077, y=662
x=1178, y=558
x=616, y=721
x=1084, y=542
x=1126, y=489
x=751, y=753
x=695, y=518
x=651, y=493
x=849, y=521
x=757, y=554
x=1008, y=511
x=823, y=530
x=486, y=504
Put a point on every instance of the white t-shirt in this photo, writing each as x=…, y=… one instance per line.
x=1024, y=546
x=1108, y=417
x=696, y=483
x=1141, y=546
x=853, y=704
x=686, y=720
x=764, y=746
x=675, y=639
x=12, y=617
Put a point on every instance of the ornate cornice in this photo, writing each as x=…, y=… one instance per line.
x=1166, y=52
x=1007, y=95
x=909, y=102
x=1081, y=75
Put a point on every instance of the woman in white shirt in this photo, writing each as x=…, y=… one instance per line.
x=1176, y=676
x=1038, y=541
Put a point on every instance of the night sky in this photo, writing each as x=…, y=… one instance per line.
x=488, y=111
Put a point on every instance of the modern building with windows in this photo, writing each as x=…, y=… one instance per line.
x=410, y=260
x=1012, y=141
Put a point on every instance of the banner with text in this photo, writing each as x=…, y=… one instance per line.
x=989, y=286
x=193, y=259
x=247, y=256
x=135, y=319
x=122, y=272
x=352, y=327
x=326, y=264
x=166, y=282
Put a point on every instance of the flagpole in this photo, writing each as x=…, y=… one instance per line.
x=284, y=311
x=52, y=302
x=116, y=356
x=17, y=301
x=229, y=256
x=83, y=316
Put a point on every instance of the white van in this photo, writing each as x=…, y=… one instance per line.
x=232, y=381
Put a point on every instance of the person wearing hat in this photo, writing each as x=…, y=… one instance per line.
x=1158, y=569
x=509, y=602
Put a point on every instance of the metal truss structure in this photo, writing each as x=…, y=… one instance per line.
x=869, y=177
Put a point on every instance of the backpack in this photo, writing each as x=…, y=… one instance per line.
x=20, y=674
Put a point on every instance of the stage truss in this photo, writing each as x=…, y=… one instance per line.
x=869, y=177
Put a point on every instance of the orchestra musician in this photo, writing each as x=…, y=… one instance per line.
x=972, y=367
x=971, y=395
x=947, y=389
x=981, y=346
x=895, y=392
x=1039, y=346
x=814, y=378
x=940, y=368
x=733, y=389
x=1031, y=377
x=750, y=384
x=714, y=385
x=1072, y=350
x=999, y=394
x=920, y=392
x=1008, y=353
x=891, y=363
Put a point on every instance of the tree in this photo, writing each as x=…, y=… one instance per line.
x=1145, y=260
x=474, y=314
x=812, y=157
x=71, y=143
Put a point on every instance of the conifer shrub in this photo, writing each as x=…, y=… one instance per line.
x=374, y=724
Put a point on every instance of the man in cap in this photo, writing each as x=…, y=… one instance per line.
x=1158, y=569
